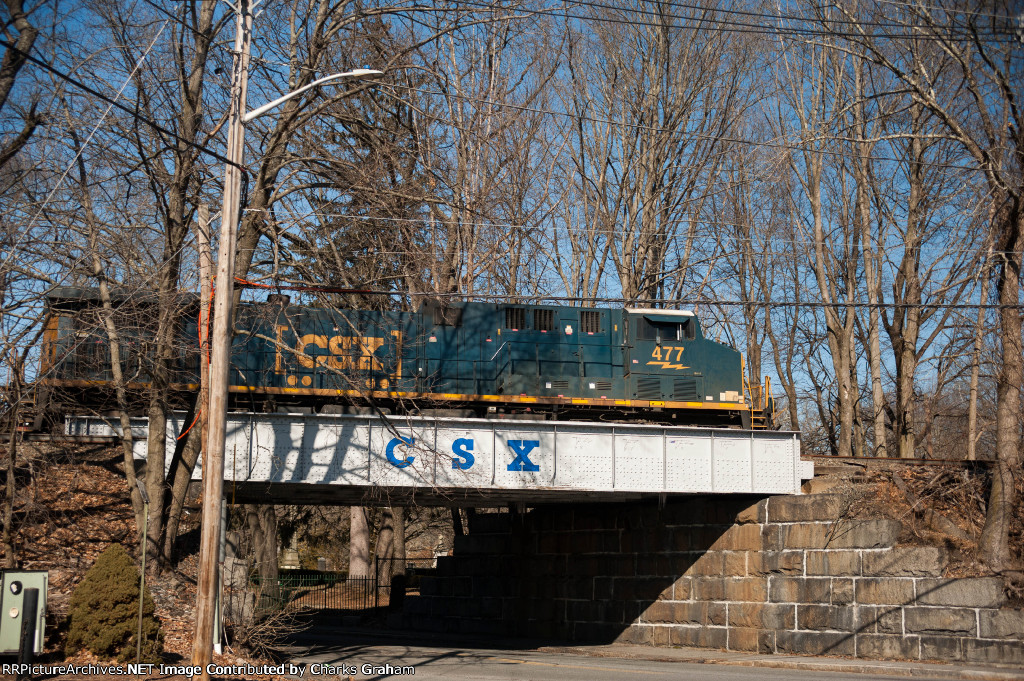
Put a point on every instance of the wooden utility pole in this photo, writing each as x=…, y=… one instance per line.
x=220, y=343
x=205, y=273
x=220, y=350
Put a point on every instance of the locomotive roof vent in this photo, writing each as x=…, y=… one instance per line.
x=279, y=299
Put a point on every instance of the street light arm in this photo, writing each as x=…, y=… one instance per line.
x=357, y=73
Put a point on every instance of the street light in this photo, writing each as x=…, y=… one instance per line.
x=220, y=353
x=355, y=73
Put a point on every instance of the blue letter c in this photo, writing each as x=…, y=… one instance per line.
x=390, y=452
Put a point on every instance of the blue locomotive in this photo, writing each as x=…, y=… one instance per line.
x=459, y=358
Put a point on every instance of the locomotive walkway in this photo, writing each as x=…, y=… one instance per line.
x=334, y=459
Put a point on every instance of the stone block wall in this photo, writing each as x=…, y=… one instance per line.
x=772, y=575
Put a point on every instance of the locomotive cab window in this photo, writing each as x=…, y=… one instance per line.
x=667, y=331
x=515, y=318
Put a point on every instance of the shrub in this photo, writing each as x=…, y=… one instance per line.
x=105, y=611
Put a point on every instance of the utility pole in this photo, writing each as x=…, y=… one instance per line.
x=220, y=354
x=220, y=342
x=205, y=273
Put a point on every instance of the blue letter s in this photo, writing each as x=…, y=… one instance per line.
x=463, y=448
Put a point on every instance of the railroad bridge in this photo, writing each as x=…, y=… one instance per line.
x=710, y=545
x=345, y=459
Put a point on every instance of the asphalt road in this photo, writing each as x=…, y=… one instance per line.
x=430, y=661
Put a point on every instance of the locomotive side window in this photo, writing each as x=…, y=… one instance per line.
x=515, y=317
x=441, y=313
x=590, y=321
x=451, y=316
x=544, y=320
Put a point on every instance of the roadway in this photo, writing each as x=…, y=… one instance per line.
x=344, y=653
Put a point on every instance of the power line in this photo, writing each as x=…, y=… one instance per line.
x=957, y=10
x=117, y=105
x=88, y=139
x=631, y=301
x=731, y=26
x=652, y=128
x=763, y=15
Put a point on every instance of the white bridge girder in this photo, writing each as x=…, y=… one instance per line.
x=300, y=458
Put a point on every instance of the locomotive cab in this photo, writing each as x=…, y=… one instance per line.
x=669, y=362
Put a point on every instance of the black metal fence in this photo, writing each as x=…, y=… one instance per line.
x=314, y=590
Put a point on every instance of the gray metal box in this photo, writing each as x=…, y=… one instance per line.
x=12, y=595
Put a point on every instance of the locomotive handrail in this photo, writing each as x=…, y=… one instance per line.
x=498, y=350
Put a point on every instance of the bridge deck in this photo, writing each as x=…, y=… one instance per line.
x=299, y=458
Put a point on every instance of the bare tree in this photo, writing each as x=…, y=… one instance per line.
x=653, y=100
x=813, y=81
x=19, y=30
x=959, y=64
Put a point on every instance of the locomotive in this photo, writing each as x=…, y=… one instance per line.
x=447, y=358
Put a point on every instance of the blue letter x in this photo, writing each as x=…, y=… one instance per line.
x=522, y=449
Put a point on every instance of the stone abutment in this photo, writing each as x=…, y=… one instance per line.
x=776, y=575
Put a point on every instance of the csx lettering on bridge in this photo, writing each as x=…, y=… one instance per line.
x=463, y=457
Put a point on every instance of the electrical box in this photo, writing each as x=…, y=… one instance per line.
x=12, y=597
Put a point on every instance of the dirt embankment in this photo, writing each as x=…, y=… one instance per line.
x=939, y=505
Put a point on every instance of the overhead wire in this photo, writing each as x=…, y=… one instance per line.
x=724, y=25
x=555, y=229
x=24, y=235
x=117, y=105
x=758, y=15
x=311, y=288
x=691, y=135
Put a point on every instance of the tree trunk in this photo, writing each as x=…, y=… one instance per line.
x=155, y=480
x=872, y=280
x=906, y=437
x=113, y=336
x=7, y=541
x=399, y=522
x=182, y=477
x=979, y=339
x=183, y=467
x=384, y=554
x=261, y=520
x=994, y=544
x=359, y=543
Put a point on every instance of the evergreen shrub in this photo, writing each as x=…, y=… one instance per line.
x=105, y=611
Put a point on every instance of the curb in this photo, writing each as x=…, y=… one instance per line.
x=937, y=670
x=899, y=669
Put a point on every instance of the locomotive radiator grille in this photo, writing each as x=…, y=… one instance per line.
x=648, y=388
x=685, y=389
